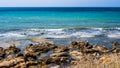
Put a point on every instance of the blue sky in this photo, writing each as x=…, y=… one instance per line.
x=59, y=3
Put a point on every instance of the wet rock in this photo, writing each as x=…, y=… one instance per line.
x=36, y=49
x=2, y=53
x=30, y=58
x=60, y=60
x=102, y=49
x=11, y=62
x=61, y=54
x=55, y=60
x=85, y=50
x=44, y=61
x=74, y=62
x=76, y=54
x=115, y=50
x=20, y=65
x=31, y=64
x=61, y=49
x=115, y=44
x=75, y=44
x=50, y=45
x=19, y=55
x=12, y=50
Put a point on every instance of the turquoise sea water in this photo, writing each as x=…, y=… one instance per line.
x=55, y=19
x=63, y=23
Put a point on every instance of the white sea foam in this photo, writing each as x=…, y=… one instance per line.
x=87, y=34
x=45, y=29
x=62, y=33
x=114, y=35
x=11, y=35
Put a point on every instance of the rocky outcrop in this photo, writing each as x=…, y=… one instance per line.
x=79, y=45
x=61, y=49
x=12, y=50
x=2, y=53
x=12, y=57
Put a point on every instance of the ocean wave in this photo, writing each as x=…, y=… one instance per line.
x=11, y=35
x=87, y=34
x=114, y=35
x=64, y=33
x=95, y=28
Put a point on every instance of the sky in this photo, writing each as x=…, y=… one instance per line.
x=59, y=3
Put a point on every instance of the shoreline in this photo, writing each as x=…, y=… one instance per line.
x=48, y=55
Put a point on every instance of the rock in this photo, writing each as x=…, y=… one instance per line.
x=11, y=62
x=12, y=50
x=88, y=51
x=30, y=58
x=115, y=50
x=105, y=60
x=2, y=53
x=61, y=54
x=19, y=55
x=115, y=44
x=74, y=43
x=61, y=49
x=50, y=45
x=76, y=54
x=60, y=60
x=102, y=49
x=36, y=50
x=44, y=61
x=78, y=45
x=31, y=64
x=20, y=65
x=55, y=60
x=74, y=62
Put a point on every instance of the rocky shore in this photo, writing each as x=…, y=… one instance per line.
x=75, y=55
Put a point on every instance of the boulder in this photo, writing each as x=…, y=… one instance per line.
x=102, y=49
x=48, y=44
x=61, y=49
x=115, y=50
x=36, y=50
x=12, y=50
x=2, y=53
x=55, y=60
x=78, y=45
x=11, y=62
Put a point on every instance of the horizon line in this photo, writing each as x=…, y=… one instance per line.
x=52, y=7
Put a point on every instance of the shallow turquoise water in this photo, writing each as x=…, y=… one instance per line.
x=54, y=19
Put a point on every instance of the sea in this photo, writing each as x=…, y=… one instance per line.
x=97, y=25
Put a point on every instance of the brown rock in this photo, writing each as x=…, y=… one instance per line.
x=36, y=50
x=12, y=50
x=10, y=62
x=75, y=44
x=2, y=53
x=61, y=49
x=61, y=54
x=48, y=44
x=100, y=49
